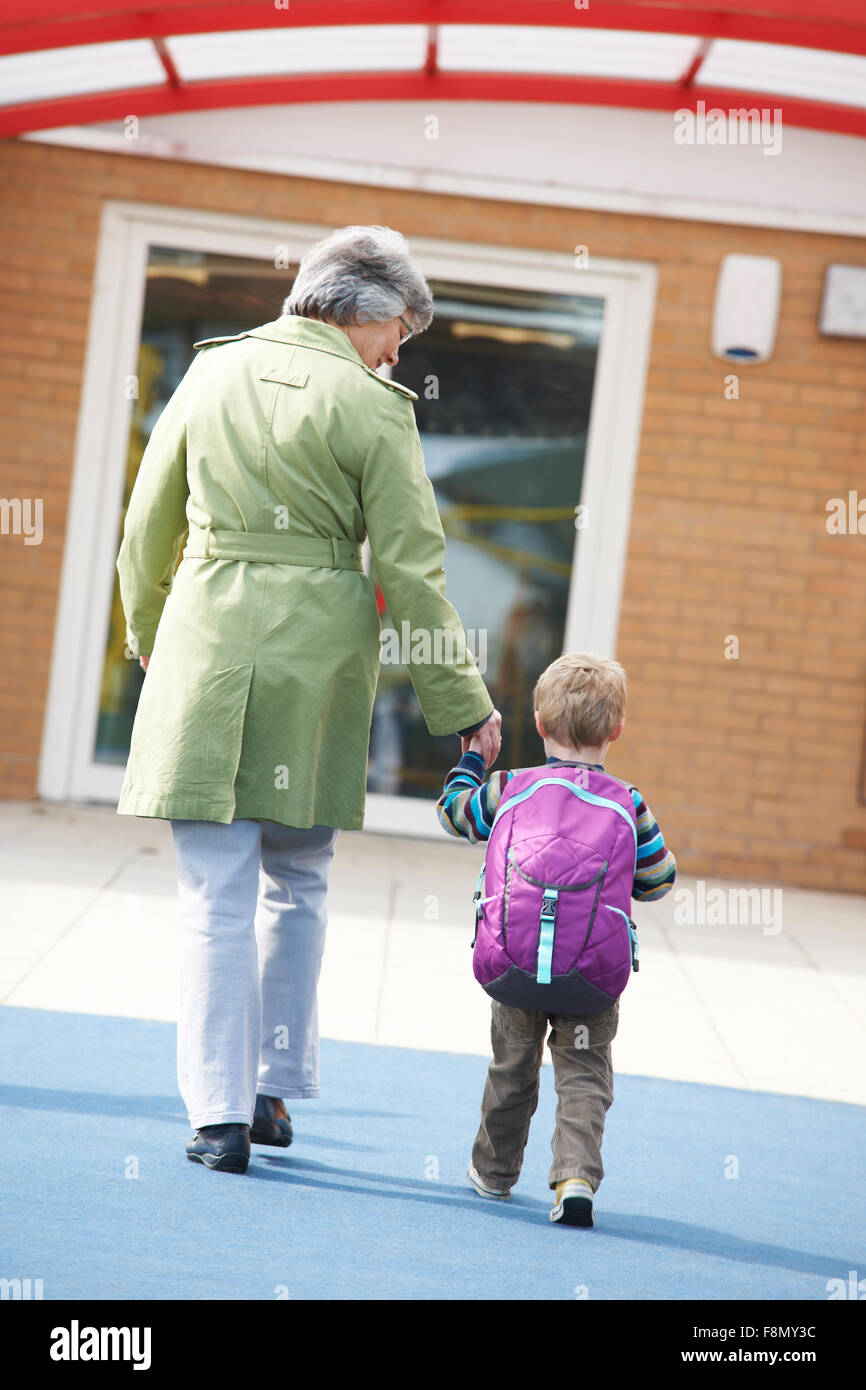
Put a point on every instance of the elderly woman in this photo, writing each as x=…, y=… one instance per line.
x=280, y=451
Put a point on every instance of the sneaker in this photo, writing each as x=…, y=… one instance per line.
x=225, y=1148
x=573, y=1203
x=481, y=1186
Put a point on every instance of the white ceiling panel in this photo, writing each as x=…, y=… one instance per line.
x=587, y=52
x=812, y=73
x=85, y=68
x=332, y=48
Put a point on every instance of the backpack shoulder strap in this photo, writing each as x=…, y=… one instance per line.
x=593, y=798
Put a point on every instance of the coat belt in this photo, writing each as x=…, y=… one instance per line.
x=266, y=547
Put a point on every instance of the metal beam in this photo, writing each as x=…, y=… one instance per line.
x=389, y=86
x=835, y=25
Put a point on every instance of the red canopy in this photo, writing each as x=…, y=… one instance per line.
x=834, y=26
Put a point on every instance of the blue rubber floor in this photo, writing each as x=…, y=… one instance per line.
x=371, y=1200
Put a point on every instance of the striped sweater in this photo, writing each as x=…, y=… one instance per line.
x=468, y=804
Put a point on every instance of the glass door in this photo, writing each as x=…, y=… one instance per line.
x=189, y=295
x=505, y=382
x=527, y=410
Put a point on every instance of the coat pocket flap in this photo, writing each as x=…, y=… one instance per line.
x=285, y=376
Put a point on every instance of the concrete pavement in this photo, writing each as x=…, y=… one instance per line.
x=88, y=924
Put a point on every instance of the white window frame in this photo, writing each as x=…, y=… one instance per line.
x=128, y=230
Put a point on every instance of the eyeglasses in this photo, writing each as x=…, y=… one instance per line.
x=410, y=332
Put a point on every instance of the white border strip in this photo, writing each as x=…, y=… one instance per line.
x=379, y=175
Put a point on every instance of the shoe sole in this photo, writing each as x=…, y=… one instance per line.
x=497, y=1196
x=281, y=1143
x=222, y=1163
x=573, y=1211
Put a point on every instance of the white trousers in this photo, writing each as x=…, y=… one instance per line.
x=252, y=934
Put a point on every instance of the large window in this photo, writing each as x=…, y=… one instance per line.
x=530, y=386
x=189, y=295
x=504, y=380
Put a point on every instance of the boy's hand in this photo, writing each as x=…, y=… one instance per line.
x=487, y=741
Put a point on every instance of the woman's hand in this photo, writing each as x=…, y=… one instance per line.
x=143, y=661
x=487, y=741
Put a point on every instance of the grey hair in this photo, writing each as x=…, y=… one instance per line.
x=360, y=275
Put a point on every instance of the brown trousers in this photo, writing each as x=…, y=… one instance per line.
x=583, y=1076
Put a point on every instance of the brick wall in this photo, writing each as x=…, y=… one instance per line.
x=752, y=765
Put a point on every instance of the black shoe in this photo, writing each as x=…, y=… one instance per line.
x=270, y=1124
x=223, y=1147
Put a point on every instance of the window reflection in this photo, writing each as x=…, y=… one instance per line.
x=504, y=380
x=189, y=295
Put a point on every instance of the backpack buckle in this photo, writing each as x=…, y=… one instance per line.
x=547, y=925
x=548, y=903
x=479, y=902
x=632, y=934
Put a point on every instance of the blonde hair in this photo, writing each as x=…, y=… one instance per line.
x=580, y=699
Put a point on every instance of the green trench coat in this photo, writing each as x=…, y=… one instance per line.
x=280, y=443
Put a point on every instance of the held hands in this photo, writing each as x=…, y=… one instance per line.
x=487, y=741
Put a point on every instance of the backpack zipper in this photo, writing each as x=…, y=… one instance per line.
x=509, y=865
x=597, y=879
x=632, y=934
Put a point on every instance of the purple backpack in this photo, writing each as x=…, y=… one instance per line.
x=553, y=931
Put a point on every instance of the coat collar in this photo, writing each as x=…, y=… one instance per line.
x=296, y=331
x=302, y=332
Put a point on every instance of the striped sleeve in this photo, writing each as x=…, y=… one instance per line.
x=468, y=804
x=656, y=867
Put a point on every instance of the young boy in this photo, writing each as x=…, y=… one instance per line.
x=579, y=704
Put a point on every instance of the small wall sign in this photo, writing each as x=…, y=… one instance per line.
x=843, y=308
